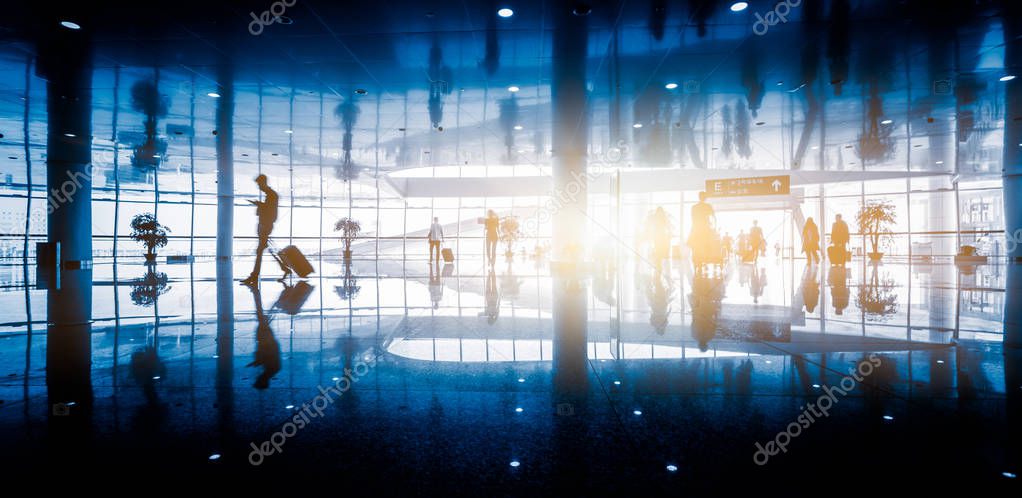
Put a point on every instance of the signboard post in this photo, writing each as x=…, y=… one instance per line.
x=743, y=187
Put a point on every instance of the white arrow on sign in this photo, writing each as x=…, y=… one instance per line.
x=776, y=185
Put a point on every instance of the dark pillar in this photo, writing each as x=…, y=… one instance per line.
x=570, y=134
x=570, y=131
x=65, y=63
x=1012, y=170
x=1012, y=165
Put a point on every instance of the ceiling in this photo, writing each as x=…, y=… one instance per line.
x=888, y=85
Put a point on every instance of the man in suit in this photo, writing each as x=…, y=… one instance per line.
x=839, y=237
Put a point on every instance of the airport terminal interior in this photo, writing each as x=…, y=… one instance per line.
x=512, y=248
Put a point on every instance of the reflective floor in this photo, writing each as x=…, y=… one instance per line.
x=611, y=378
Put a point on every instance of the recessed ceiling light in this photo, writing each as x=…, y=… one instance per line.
x=888, y=417
x=815, y=147
x=636, y=412
x=671, y=86
x=515, y=463
x=617, y=382
x=780, y=83
x=940, y=162
x=672, y=468
x=637, y=125
x=361, y=91
x=518, y=127
x=520, y=379
x=739, y=6
x=887, y=121
x=70, y=25
x=70, y=135
x=505, y=12
x=289, y=131
x=213, y=94
x=214, y=456
x=513, y=89
x=1009, y=475
x=290, y=407
x=1007, y=77
x=817, y=386
x=518, y=410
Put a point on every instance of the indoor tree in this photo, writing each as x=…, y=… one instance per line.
x=509, y=233
x=146, y=230
x=349, y=229
x=875, y=219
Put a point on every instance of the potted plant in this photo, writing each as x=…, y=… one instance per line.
x=509, y=233
x=875, y=219
x=148, y=231
x=349, y=229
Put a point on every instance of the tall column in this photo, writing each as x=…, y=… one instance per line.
x=1012, y=165
x=225, y=162
x=570, y=130
x=224, y=249
x=1012, y=170
x=570, y=133
x=65, y=63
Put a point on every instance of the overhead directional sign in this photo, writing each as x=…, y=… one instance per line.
x=757, y=185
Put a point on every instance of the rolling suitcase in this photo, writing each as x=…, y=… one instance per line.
x=293, y=259
x=448, y=255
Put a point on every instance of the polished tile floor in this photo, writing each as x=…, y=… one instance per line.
x=460, y=380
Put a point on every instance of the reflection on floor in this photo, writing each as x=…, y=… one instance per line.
x=487, y=380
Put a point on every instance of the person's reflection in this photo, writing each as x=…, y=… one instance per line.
x=837, y=279
x=267, y=353
x=436, y=286
x=757, y=282
x=707, y=295
x=492, y=298
x=659, y=293
x=810, y=288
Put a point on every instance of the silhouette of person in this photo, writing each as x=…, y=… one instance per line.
x=492, y=298
x=837, y=279
x=703, y=236
x=756, y=241
x=839, y=237
x=744, y=251
x=811, y=241
x=266, y=211
x=436, y=286
x=660, y=234
x=436, y=237
x=267, y=353
x=810, y=289
x=492, y=226
x=727, y=246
